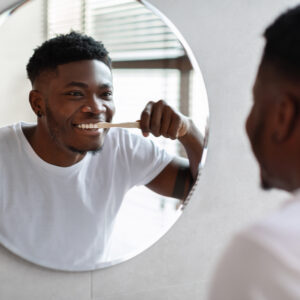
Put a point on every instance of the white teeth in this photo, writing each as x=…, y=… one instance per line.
x=87, y=126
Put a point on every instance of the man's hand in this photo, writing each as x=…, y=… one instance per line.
x=177, y=178
x=159, y=119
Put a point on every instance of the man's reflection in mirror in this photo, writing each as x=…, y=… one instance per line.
x=63, y=179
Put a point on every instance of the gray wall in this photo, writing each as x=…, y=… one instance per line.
x=226, y=39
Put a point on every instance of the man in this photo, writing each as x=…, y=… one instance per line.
x=263, y=262
x=63, y=179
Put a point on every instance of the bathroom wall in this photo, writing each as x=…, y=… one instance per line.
x=226, y=38
x=20, y=32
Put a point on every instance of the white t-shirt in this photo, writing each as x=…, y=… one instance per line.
x=263, y=262
x=62, y=217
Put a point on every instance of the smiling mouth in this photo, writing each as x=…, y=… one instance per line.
x=89, y=128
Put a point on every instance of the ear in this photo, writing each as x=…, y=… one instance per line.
x=37, y=102
x=285, y=118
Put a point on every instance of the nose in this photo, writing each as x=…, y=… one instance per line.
x=94, y=105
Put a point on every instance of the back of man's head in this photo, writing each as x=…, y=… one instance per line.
x=63, y=49
x=282, y=48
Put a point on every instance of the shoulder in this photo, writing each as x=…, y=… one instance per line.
x=8, y=134
x=121, y=133
x=12, y=139
x=279, y=232
x=8, y=144
x=249, y=270
x=6, y=131
x=120, y=143
x=127, y=139
x=269, y=249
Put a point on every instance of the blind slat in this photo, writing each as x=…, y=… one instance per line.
x=124, y=26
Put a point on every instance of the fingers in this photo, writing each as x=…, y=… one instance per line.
x=166, y=122
x=156, y=118
x=145, y=119
x=159, y=119
x=174, y=127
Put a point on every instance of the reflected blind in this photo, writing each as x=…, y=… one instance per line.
x=128, y=30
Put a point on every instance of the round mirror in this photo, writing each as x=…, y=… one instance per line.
x=150, y=61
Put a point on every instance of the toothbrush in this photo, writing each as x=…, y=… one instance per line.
x=122, y=125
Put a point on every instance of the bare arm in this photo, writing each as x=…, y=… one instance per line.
x=178, y=176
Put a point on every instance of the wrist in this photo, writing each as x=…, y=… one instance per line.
x=192, y=133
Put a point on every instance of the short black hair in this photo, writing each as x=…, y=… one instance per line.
x=62, y=49
x=282, y=47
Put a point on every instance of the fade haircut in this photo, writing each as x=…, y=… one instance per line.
x=282, y=49
x=63, y=49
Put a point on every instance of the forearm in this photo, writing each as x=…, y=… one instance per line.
x=177, y=178
x=193, y=143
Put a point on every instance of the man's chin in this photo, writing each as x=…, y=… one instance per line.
x=96, y=150
x=265, y=185
x=82, y=151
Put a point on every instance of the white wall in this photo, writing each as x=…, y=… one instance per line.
x=226, y=39
x=23, y=31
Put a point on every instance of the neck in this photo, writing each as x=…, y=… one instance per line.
x=48, y=150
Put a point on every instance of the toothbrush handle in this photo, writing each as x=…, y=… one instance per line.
x=122, y=125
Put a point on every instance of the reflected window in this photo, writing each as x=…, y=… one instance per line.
x=128, y=29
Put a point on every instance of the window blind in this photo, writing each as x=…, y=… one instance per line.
x=128, y=30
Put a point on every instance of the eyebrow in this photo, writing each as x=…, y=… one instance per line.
x=84, y=85
x=77, y=83
x=106, y=86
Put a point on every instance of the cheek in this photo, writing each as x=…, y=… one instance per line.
x=64, y=108
x=111, y=108
x=68, y=107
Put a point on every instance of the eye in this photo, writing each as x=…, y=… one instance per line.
x=74, y=93
x=107, y=95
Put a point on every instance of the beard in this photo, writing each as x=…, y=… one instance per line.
x=264, y=184
x=55, y=133
x=82, y=152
